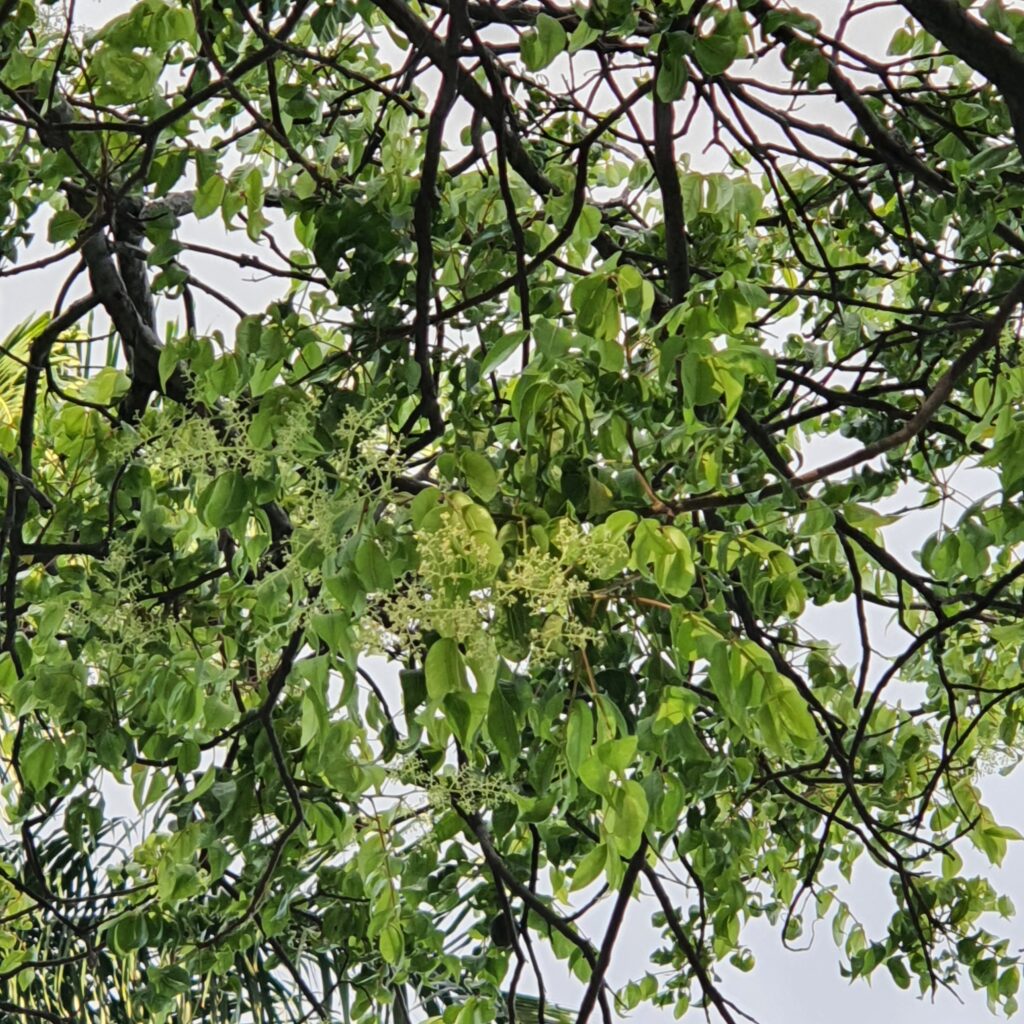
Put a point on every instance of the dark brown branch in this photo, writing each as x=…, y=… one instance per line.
x=423, y=224
x=935, y=399
x=531, y=899
x=420, y=35
x=596, y=983
x=676, y=250
x=977, y=45
x=141, y=344
x=692, y=954
x=890, y=149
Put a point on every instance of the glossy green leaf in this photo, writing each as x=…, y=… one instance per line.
x=480, y=474
x=589, y=868
x=224, y=499
x=541, y=45
x=445, y=669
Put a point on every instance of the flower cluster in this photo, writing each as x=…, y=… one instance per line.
x=113, y=607
x=546, y=585
x=468, y=589
x=466, y=786
x=326, y=482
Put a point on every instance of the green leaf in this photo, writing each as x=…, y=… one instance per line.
x=373, y=567
x=902, y=42
x=445, y=669
x=481, y=476
x=128, y=934
x=617, y=754
x=106, y=386
x=677, y=705
x=168, y=363
x=122, y=75
x=899, y=972
x=673, y=74
x=503, y=729
x=252, y=191
x=209, y=196
x=224, y=499
x=579, y=735
x=314, y=718
x=595, y=775
x=540, y=46
x=952, y=863
x=1009, y=981
x=64, y=226
x=966, y=114
x=582, y=36
x=391, y=943
x=589, y=868
x=667, y=549
x=38, y=764
x=626, y=816
x=715, y=53
x=502, y=349
x=790, y=712
x=466, y=712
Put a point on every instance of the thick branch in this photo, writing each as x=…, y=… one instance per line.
x=977, y=45
x=423, y=221
x=604, y=958
x=690, y=951
x=141, y=344
x=935, y=399
x=530, y=898
x=676, y=252
x=892, y=150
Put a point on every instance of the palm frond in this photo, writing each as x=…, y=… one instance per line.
x=528, y=1011
x=14, y=353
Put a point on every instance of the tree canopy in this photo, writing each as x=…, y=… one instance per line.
x=597, y=346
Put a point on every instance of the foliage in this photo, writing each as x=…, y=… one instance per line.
x=572, y=421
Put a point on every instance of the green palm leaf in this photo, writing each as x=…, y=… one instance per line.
x=14, y=352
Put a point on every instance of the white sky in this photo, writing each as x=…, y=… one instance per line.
x=784, y=987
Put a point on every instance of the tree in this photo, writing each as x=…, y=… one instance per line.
x=566, y=310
